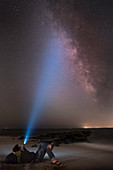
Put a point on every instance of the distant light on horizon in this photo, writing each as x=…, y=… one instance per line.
x=91, y=127
x=6, y=128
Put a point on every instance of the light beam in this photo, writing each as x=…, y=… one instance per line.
x=53, y=61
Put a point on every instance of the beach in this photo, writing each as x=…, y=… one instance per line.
x=81, y=155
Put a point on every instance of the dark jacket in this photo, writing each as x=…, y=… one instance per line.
x=24, y=156
x=20, y=156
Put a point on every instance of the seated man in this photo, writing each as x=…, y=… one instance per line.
x=44, y=148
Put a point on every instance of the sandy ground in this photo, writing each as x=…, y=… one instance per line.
x=80, y=156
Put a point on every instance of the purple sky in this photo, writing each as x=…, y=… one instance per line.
x=82, y=92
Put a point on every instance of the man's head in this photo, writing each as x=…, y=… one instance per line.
x=16, y=148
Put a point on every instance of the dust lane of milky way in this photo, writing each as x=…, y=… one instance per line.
x=88, y=29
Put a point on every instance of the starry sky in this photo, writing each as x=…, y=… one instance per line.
x=80, y=34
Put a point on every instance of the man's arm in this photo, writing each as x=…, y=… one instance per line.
x=23, y=148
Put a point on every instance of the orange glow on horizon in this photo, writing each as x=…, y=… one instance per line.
x=88, y=127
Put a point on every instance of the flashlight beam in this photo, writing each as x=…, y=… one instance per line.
x=51, y=68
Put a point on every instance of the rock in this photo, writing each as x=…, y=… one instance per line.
x=34, y=146
x=22, y=137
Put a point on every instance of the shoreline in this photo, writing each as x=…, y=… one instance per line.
x=95, y=154
x=73, y=156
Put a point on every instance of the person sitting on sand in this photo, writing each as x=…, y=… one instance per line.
x=24, y=156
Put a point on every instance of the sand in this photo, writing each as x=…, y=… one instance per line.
x=97, y=154
x=86, y=156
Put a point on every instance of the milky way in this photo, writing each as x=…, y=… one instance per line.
x=82, y=93
x=88, y=30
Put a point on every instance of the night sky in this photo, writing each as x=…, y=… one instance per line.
x=80, y=33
